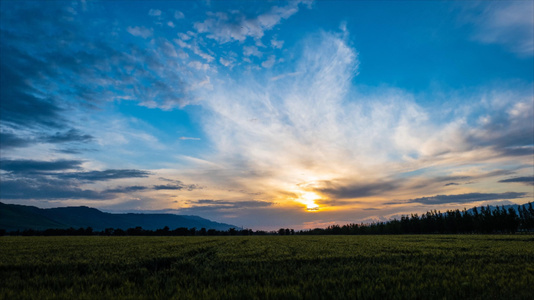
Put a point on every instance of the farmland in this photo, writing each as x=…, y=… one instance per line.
x=268, y=267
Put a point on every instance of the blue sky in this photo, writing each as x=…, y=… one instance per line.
x=267, y=114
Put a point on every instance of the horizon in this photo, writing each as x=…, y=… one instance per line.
x=260, y=114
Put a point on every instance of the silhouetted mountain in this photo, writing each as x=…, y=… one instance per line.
x=15, y=217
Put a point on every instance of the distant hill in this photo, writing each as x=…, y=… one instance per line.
x=20, y=217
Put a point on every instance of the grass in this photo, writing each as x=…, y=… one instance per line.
x=268, y=267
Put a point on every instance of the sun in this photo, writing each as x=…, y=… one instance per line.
x=308, y=199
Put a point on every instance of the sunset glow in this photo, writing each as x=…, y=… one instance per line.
x=308, y=199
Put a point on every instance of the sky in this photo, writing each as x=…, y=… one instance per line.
x=267, y=114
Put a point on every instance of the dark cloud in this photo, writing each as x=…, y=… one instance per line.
x=463, y=198
x=517, y=151
x=529, y=180
x=31, y=179
x=209, y=204
x=508, y=133
x=176, y=185
x=356, y=190
x=72, y=135
x=44, y=188
x=105, y=175
x=22, y=105
x=169, y=187
x=451, y=178
x=496, y=173
x=127, y=189
x=10, y=140
x=28, y=166
x=74, y=150
x=451, y=183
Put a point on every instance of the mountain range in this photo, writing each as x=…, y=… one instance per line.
x=20, y=217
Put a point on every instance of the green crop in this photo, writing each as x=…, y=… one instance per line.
x=268, y=267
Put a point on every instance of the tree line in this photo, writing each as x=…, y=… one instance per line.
x=476, y=220
x=484, y=220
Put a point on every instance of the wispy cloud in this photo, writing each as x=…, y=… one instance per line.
x=72, y=135
x=225, y=27
x=187, y=138
x=154, y=12
x=140, y=31
x=178, y=15
x=310, y=132
x=509, y=23
x=223, y=206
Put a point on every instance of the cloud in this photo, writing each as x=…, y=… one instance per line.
x=356, y=190
x=186, y=138
x=105, y=175
x=103, y=69
x=74, y=150
x=154, y=12
x=177, y=186
x=49, y=189
x=140, y=31
x=224, y=27
x=28, y=165
x=215, y=205
x=21, y=104
x=278, y=128
x=178, y=15
x=528, y=180
x=72, y=135
x=183, y=37
x=226, y=62
x=281, y=76
x=31, y=179
x=269, y=62
x=508, y=127
x=251, y=51
x=127, y=189
x=276, y=43
x=304, y=121
x=10, y=140
x=463, y=198
x=509, y=23
x=198, y=65
x=349, y=143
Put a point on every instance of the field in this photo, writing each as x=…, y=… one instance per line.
x=268, y=267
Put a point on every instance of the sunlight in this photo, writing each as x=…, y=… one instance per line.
x=308, y=199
